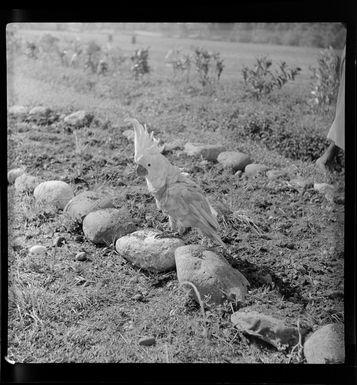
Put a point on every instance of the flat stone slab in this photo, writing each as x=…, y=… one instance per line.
x=266, y=328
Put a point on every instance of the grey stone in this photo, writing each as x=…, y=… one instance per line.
x=53, y=192
x=212, y=275
x=79, y=119
x=106, y=225
x=328, y=190
x=279, y=173
x=18, y=111
x=14, y=173
x=26, y=183
x=39, y=112
x=253, y=169
x=266, y=328
x=37, y=250
x=207, y=151
x=147, y=341
x=129, y=134
x=144, y=249
x=302, y=183
x=234, y=160
x=86, y=202
x=81, y=256
x=326, y=345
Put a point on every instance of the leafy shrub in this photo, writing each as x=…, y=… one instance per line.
x=325, y=78
x=180, y=62
x=261, y=80
x=209, y=66
x=140, y=65
x=93, y=55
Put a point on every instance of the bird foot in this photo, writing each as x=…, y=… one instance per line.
x=168, y=234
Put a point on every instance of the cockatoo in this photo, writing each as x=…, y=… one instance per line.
x=175, y=194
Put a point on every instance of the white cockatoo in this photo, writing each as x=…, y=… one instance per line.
x=175, y=194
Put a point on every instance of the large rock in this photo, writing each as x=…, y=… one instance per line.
x=253, y=169
x=18, y=111
x=144, y=249
x=14, y=173
x=212, y=275
x=234, y=160
x=39, y=112
x=79, y=119
x=54, y=192
x=86, y=202
x=326, y=345
x=106, y=225
x=26, y=183
x=207, y=151
x=266, y=328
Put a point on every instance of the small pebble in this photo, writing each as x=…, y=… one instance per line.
x=147, y=341
x=37, y=250
x=81, y=256
x=137, y=297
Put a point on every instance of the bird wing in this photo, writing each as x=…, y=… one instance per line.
x=186, y=202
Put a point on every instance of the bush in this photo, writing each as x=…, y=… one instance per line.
x=209, y=66
x=180, y=62
x=260, y=80
x=325, y=78
x=140, y=62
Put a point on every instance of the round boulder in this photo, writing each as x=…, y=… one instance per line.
x=253, y=169
x=207, y=151
x=234, y=160
x=79, y=119
x=106, y=225
x=14, y=173
x=212, y=275
x=144, y=249
x=54, y=192
x=26, y=183
x=37, y=251
x=86, y=202
x=18, y=111
x=326, y=345
x=39, y=112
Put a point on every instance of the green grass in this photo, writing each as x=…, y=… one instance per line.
x=62, y=310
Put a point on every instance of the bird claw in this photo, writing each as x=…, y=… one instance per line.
x=168, y=234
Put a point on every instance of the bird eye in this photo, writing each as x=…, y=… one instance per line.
x=149, y=164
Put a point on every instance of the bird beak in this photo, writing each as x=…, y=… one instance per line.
x=142, y=171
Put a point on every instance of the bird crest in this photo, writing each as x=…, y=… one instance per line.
x=143, y=141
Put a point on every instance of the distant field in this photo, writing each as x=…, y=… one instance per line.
x=235, y=55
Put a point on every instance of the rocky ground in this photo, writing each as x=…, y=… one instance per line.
x=81, y=296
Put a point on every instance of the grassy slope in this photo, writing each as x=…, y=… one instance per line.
x=64, y=310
